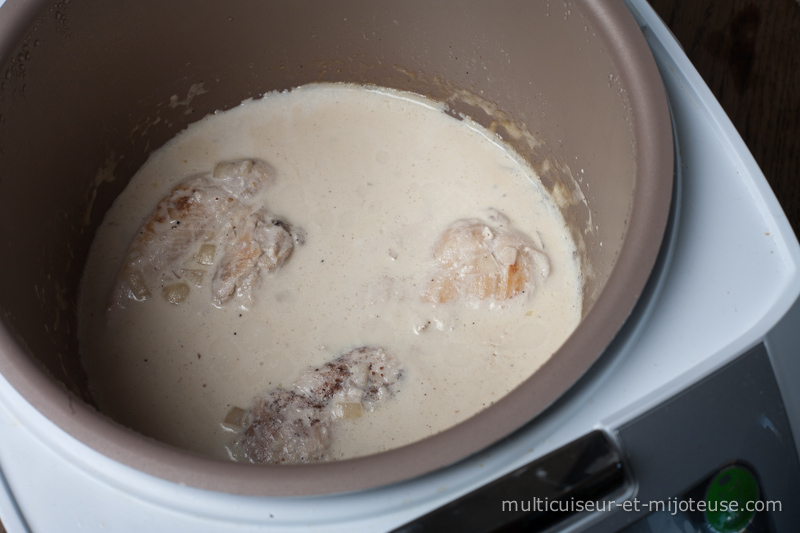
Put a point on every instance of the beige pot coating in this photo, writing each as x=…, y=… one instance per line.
x=89, y=88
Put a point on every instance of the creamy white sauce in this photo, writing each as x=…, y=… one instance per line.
x=373, y=177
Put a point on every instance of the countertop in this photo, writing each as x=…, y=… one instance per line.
x=748, y=52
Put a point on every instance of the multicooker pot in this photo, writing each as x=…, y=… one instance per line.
x=89, y=88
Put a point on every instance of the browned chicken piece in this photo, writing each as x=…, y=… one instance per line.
x=192, y=209
x=482, y=262
x=297, y=425
x=250, y=244
x=194, y=212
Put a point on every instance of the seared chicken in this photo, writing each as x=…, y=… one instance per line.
x=243, y=178
x=477, y=261
x=297, y=425
x=251, y=243
x=185, y=224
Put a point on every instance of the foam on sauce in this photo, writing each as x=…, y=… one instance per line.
x=373, y=177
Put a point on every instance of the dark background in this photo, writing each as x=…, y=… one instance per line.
x=748, y=52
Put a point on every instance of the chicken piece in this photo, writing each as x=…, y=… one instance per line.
x=477, y=261
x=287, y=428
x=250, y=244
x=243, y=178
x=180, y=220
x=193, y=211
x=297, y=425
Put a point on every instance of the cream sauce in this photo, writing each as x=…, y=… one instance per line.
x=372, y=177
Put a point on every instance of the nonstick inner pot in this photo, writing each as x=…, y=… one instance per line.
x=90, y=88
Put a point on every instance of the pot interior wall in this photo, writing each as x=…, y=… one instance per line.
x=92, y=87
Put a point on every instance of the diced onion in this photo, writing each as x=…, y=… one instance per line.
x=176, y=293
x=235, y=417
x=348, y=410
x=206, y=254
x=194, y=276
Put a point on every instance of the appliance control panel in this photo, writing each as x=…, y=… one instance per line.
x=719, y=457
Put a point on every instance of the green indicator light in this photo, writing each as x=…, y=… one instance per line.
x=730, y=494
